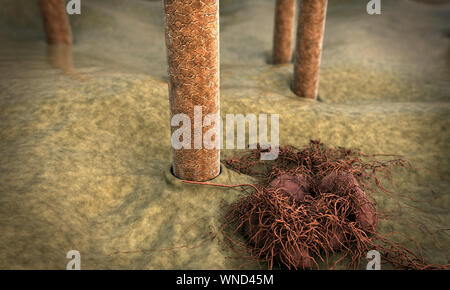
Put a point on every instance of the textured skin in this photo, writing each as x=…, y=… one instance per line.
x=56, y=21
x=283, y=31
x=311, y=26
x=192, y=40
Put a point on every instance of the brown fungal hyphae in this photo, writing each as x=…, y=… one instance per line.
x=297, y=256
x=283, y=31
x=310, y=204
x=192, y=40
x=294, y=185
x=56, y=21
x=336, y=238
x=344, y=184
x=311, y=26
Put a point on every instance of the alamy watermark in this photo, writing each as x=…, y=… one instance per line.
x=212, y=138
x=374, y=258
x=75, y=262
x=374, y=7
x=73, y=7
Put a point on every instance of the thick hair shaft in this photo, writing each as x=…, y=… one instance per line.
x=311, y=26
x=192, y=40
x=56, y=22
x=283, y=31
